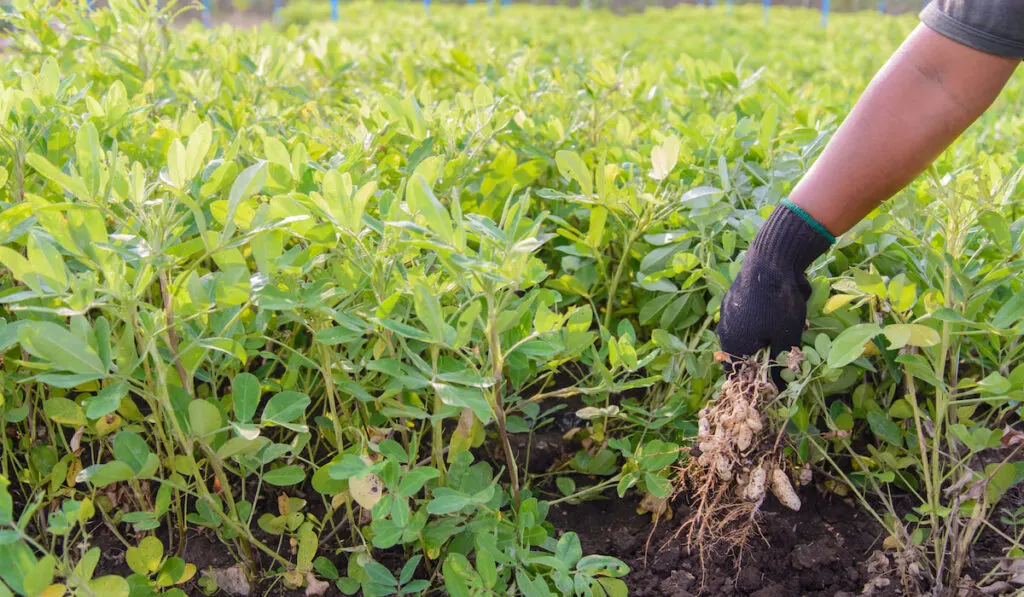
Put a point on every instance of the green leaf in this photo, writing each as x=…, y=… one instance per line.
x=130, y=448
x=378, y=573
x=56, y=345
x=404, y=330
x=248, y=183
x=414, y=480
x=657, y=454
x=531, y=587
x=349, y=466
x=571, y=164
x=659, y=487
x=446, y=501
x=285, y=407
x=901, y=409
x=994, y=384
x=393, y=450
x=146, y=558
x=486, y=568
x=917, y=366
x=902, y=293
x=348, y=586
x=769, y=126
x=40, y=576
x=177, y=167
x=1010, y=313
x=245, y=396
x=86, y=566
x=198, y=145
x=913, y=334
x=325, y=568
x=173, y=571
x=664, y=158
x=73, y=185
x=46, y=262
x=109, y=586
x=421, y=200
x=870, y=283
x=885, y=428
x=285, y=476
x=456, y=570
x=609, y=587
x=204, y=418
x=307, y=547
x=849, y=345
x=841, y=415
x=602, y=565
x=1001, y=477
x=239, y=445
x=386, y=533
x=276, y=152
x=106, y=401
x=324, y=484
x=405, y=575
x=428, y=309
x=87, y=155
x=64, y=412
x=568, y=550
x=102, y=475
x=471, y=398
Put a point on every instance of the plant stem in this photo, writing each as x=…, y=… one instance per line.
x=172, y=336
x=497, y=368
x=589, y=490
x=614, y=287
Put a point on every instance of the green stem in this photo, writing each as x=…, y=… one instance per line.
x=436, y=425
x=614, y=287
x=589, y=490
x=497, y=367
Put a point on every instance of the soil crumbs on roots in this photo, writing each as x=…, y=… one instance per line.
x=821, y=551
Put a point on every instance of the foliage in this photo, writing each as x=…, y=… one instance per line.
x=304, y=287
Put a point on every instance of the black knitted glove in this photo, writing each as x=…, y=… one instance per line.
x=766, y=306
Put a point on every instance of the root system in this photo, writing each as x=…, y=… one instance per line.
x=736, y=463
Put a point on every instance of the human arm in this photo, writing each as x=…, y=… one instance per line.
x=925, y=96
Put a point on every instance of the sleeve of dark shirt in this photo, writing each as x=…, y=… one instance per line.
x=991, y=26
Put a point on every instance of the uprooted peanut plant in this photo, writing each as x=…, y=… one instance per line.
x=738, y=461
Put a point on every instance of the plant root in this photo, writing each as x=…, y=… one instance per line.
x=736, y=463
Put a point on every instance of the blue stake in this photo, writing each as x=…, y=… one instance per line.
x=90, y=5
x=881, y=6
x=334, y=10
x=207, y=14
x=277, y=11
x=426, y=6
x=826, y=6
x=728, y=6
x=506, y=2
x=767, y=4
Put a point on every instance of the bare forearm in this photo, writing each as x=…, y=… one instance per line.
x=928, y=93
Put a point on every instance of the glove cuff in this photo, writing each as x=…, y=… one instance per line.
x=791, y=235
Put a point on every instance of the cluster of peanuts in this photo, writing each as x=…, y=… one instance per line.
x=733, y=446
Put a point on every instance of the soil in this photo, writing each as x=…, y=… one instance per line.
x=820, y=551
